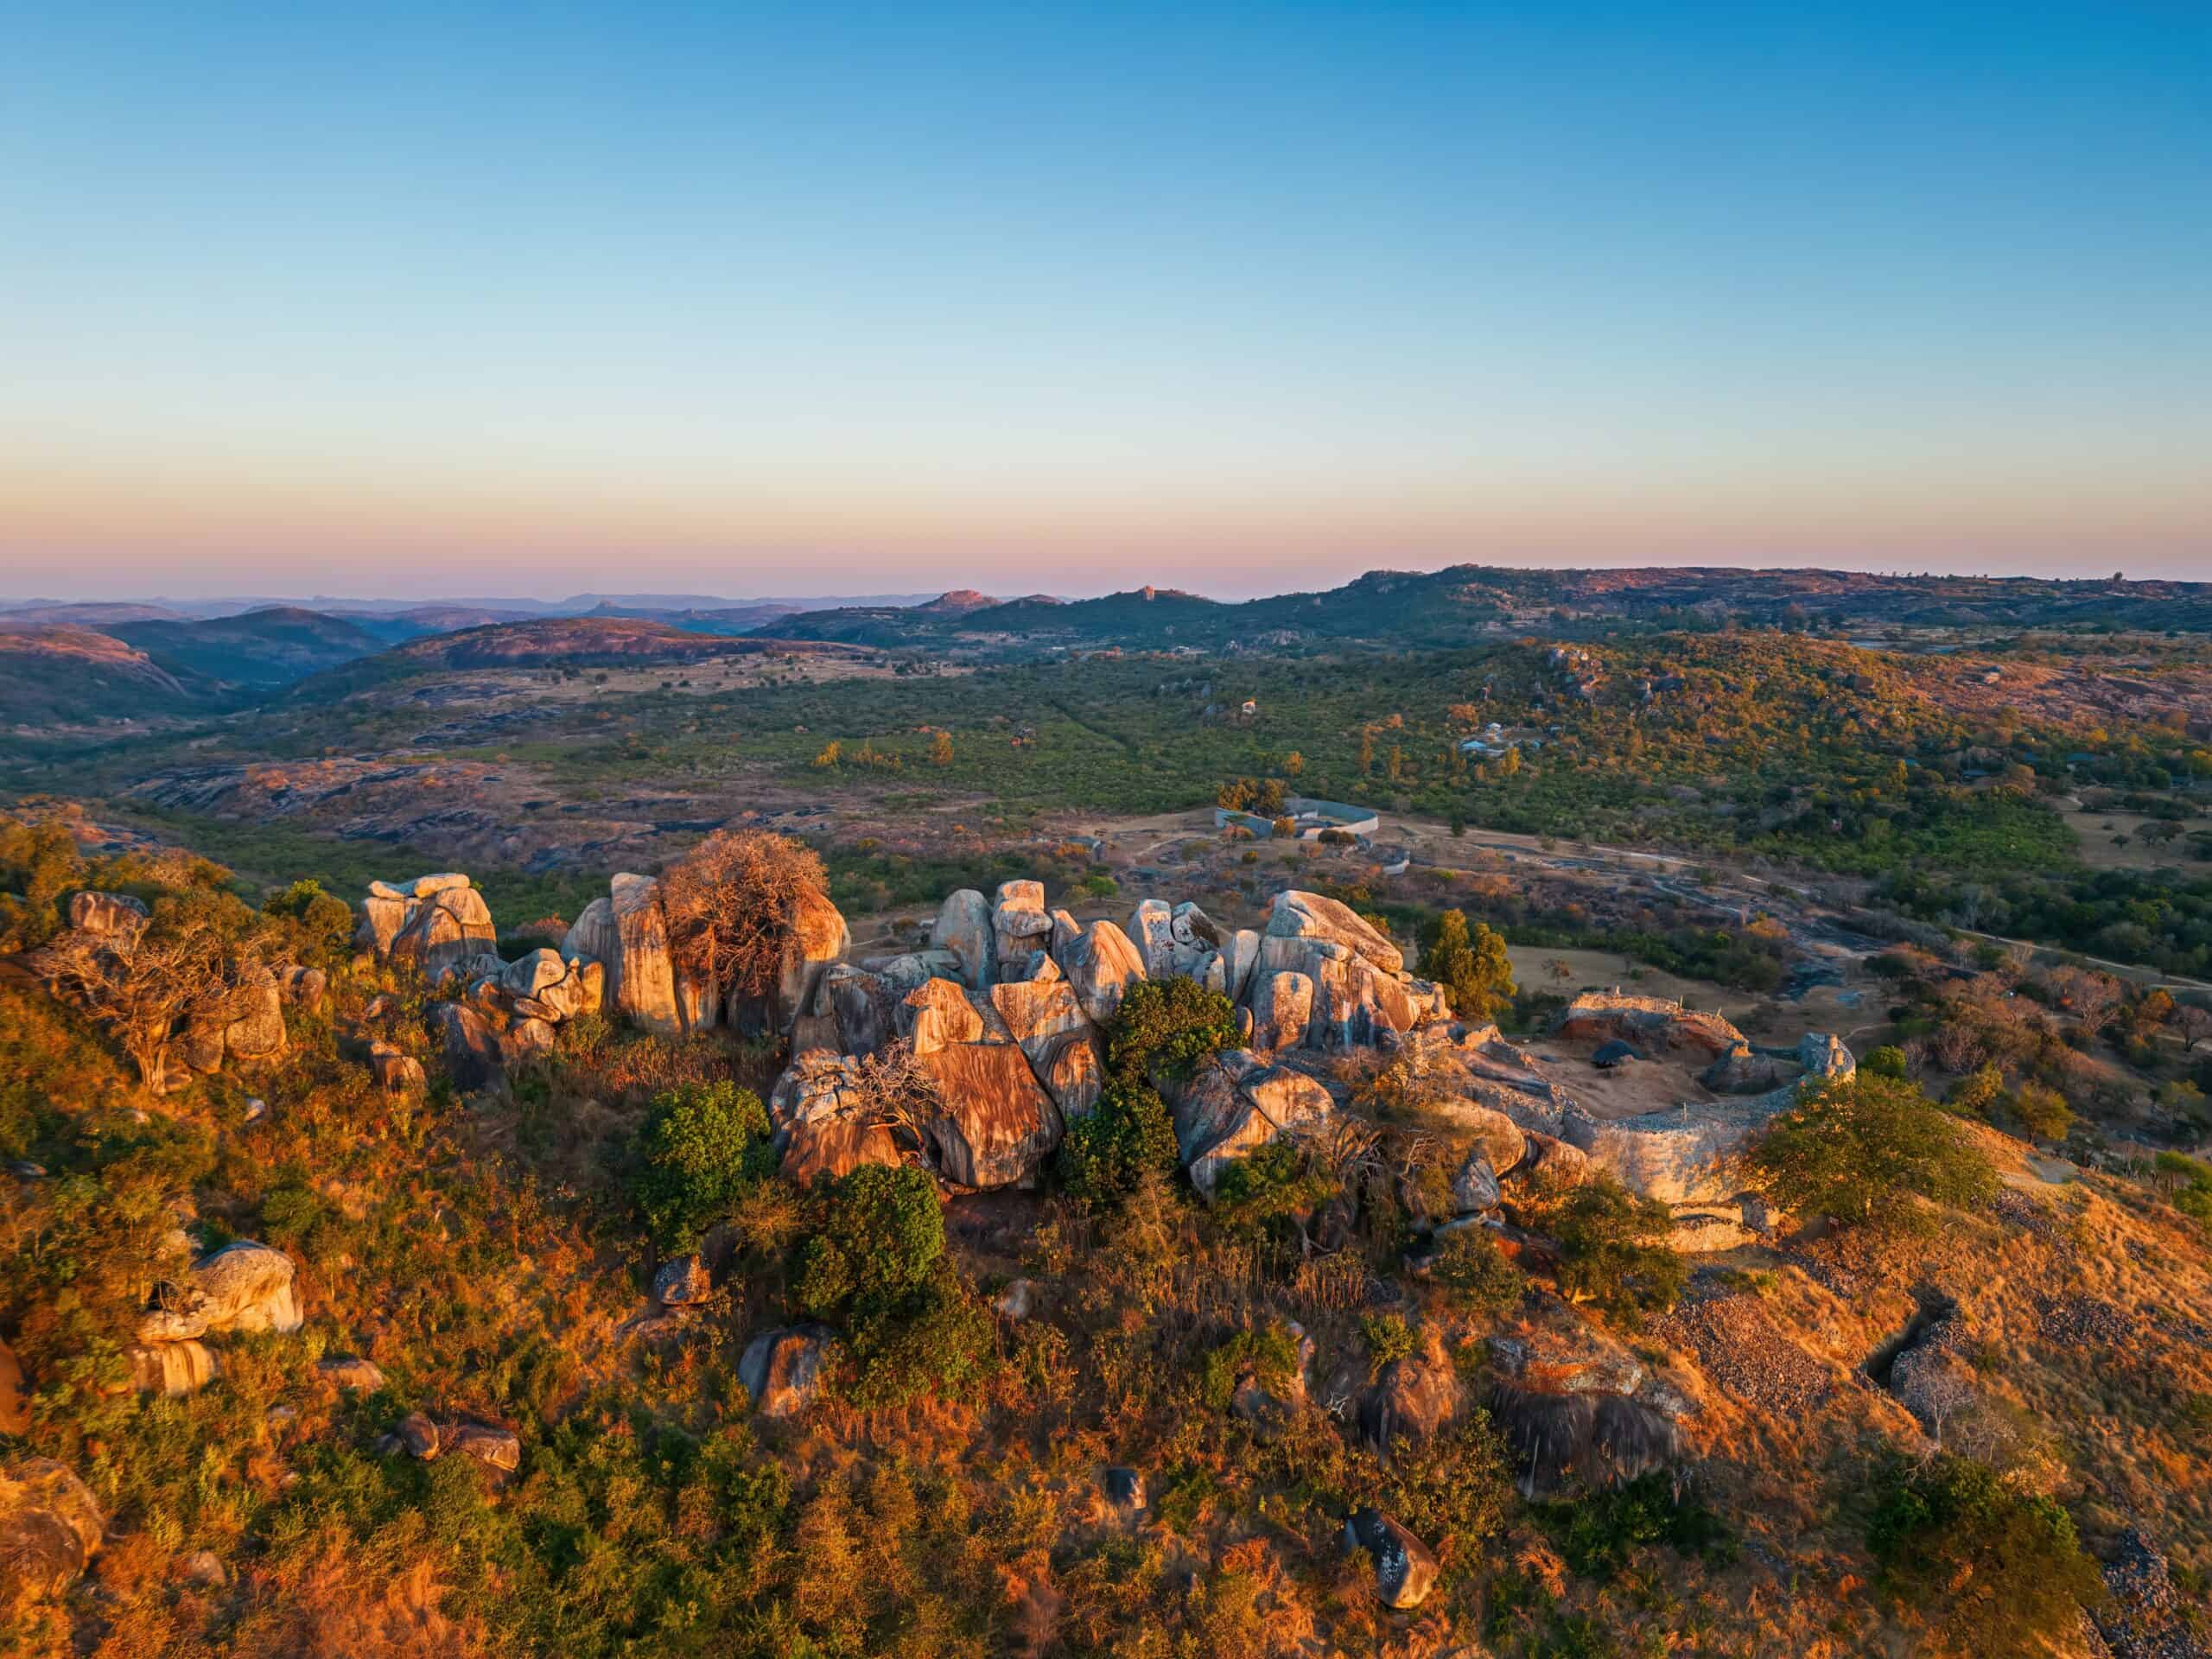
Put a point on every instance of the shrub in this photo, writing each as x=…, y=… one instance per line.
x=2042, y=1111
x=1998, y=1569
x=882, y=1234
x=933, y=1341
x=1268, y=1353
x=1860, y=1150
x=1887, y=1061
x=1107, y=1151
x=1979, y=1093
x=321, y=924
x=1274, y=1184
x=731, y=904
x=1474, y=1274
x=702, y=1148
x=1454, y=1490
x=1613, y=1250
x=1165, y=1027
x=1599, y=1533
x=1387, y=1337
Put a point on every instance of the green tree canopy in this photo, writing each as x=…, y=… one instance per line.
x=1470, y=963
x=701, y=1148
x=1860, y=1150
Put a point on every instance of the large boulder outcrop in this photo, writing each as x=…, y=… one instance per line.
x=818, y=938
x=823, y=1122
x=444, y=926
x=1019, y=924
x=994, y=1124
x=865, y=1006
x=1282, y=1008
x=592, y=935
x=784, y=1369
x=468, y=1042
x=940, y=1012
x=1405, y=1571
x=173, y=1369
x=1651, y=1024
x=50, y=1526
x=112, y=916
x=1152, y=930
x=1234, y=1103
x=1299, y=915
x=244, y=1285
x=1100, y=963
x=642, y=971
x=963, y=927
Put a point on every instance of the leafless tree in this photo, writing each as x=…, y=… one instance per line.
x=2194, y=1025
x=2091, y=997
x=187, y=967
x=730, y=905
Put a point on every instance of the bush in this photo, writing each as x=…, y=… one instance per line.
x=1387, y=1337
x=1274, y=1184
x=2042, y=1111
x=1860, y=1150
x=1613, y=1250
x=1998, y=1569
x=1453, y=1491
x=1268, y=1353
x=1165, y=1027
x=881, y=1236
x=1107, y=1151
x=702, y=1148
x=1474, y=1274
x=1887, y=1061
x=321, y=925
x=931, y=1342
x=1601, y=1533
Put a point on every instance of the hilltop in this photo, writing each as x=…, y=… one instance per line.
x=59, y=676
x=258, y=649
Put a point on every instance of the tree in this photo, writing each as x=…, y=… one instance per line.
x=1107, y=1152
x=2043, y=1110
x=2194, y=1025
x=1164, y=1027
x=1999, y=1568
x=2091, y=997
x=322, y=923
x=187, y=966
x=1268, y=803
x=1860, y=1150
x=1613, y=1250
x=701, y=1149
x=732, y=905
x=1294, y=763
x=941, y=749
x=1886, y=1061
x=39, y=863
x=1472, y=966
x=832, y=753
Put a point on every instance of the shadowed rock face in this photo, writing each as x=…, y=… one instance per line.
x=782, y=1370
x=1597, y=1439
x=50, y=1526
x=1405, y=1572
x=1100, y=964
x=963, y=927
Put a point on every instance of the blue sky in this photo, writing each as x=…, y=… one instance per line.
x=756, y=299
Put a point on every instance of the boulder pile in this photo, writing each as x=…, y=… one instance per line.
x=242, y=1287
x=1002, y=1014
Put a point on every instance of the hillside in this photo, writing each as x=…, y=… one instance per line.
x=256, y=650
x=56, y=676
x=1114, y=1293
x=1462, y=604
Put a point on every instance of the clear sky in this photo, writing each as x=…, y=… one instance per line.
x=473, y=298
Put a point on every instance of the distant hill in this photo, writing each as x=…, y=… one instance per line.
x=256, y=651
x=549, y=642
x=1464, y=603
x=396, y=627
x=57, y=676
x=96, y=614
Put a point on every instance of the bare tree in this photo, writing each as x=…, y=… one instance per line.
x=2194, y=1025
x=730, y=905
x=187, y=966
x=2091, y=997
